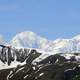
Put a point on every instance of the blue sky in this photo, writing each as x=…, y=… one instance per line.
x=48, y=18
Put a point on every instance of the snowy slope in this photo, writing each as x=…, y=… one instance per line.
x=28, y=39
x=32, y=40
x=28, y=47
x=63, y=46
x=2, y=41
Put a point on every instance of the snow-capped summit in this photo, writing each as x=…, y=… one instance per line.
x=65, y=45
x=1, y=40
x=62, y=46
x=77, y=37
x=28, y=39
x=32, y=40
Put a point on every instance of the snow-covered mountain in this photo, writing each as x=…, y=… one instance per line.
x=32, y=64
x=32, y=40
x=31, y=57
x=2, y=41
x=28, y=39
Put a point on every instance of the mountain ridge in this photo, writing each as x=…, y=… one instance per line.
x=30, y=57
x=30, y=39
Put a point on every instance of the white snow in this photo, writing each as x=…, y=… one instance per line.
x=41, y=57
x=19, y=69
x=56, y=60
x=34, y=68
x=41, y=74
x=12, y=65
x=2, y=41
x=68, y=70
x=30, y=40
x=67, y=56
x=9, y=75
x=25, y=76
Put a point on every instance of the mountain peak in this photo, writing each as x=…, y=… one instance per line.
x=28, y=39
x=27, y=33
x=23, y=39
x=77, y=37
x=1, y=40
x=32, y=40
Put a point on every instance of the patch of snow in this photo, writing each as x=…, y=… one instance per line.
x=41, y=74
x=67, y=56
x=68, y=70
x=34, y=68
x=9, y=75
x=56, y=60
x=25, y=76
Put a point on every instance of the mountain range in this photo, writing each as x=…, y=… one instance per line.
x=31, y=57
x=30, y=39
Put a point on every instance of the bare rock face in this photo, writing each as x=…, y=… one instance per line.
x=53, y=67
x=9, y=55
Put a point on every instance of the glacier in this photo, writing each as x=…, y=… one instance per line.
x=32, y=40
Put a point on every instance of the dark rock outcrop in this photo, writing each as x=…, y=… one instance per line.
x=53, y=67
